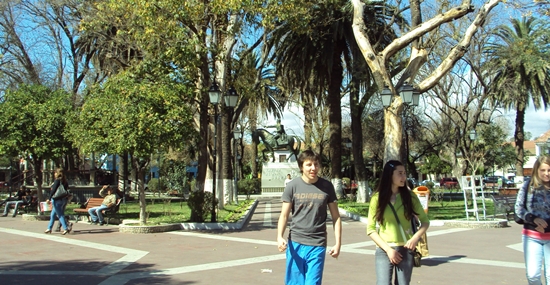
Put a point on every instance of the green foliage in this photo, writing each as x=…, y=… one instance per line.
x=430, y=185
x=497, y=152
x=235, y=212
x=434, y=165
x=200, y=203
x=135, y=116
x=175, y=173
x=33, y=122
x=169, y=211
x=436, y=211
x=249, y=186
x=156, y=185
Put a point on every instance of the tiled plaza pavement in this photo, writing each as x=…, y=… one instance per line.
x=102, y=255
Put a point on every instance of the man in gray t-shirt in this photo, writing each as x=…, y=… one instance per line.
x=308, y=197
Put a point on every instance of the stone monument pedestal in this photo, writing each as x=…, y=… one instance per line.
x=274, y=174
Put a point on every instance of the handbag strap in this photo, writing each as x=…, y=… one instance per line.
x=398, y=222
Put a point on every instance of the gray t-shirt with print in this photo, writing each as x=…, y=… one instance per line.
x=309, y=210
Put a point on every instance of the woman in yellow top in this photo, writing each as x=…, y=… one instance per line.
x=395, y=241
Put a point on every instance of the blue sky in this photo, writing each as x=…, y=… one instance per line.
x=536, y=122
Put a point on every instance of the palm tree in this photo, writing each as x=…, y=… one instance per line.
x=520, y=62
x=259, y=97
x=310, y=63
x=314, y=62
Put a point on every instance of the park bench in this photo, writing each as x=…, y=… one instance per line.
x=27, y=208
x=30, y=207
x=506, y=203
x=96, y=202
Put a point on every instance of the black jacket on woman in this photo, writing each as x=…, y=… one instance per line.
x=56, y=185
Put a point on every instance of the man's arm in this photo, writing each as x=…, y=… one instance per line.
x=337, y=224
x=281, y=226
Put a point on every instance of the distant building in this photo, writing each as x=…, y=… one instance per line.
x=535, y=147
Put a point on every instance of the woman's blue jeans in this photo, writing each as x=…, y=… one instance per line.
x=58, y=210
x=536, y=252
x=385, y=270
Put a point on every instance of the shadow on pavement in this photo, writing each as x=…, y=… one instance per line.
x=440, y=260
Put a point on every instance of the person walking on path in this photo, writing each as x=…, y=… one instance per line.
x=533, y=206
x=69, y=224
x=58, y=204
x=308, y=197
x=393, y=206
x=109, y=200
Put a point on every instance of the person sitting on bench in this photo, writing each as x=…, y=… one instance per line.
x=23, y=198
x=109, y=200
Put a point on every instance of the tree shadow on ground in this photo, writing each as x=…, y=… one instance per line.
x=79, y=271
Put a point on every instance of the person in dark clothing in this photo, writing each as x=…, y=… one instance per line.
x=21, y=198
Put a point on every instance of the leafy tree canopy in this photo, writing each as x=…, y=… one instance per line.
x=135, y=116
x=33, y=121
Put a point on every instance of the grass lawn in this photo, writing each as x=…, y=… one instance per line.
x=448, y=210
x=165, y=211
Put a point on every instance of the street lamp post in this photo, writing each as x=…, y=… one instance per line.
x=230, y=99
x=237, y=134
x=214, y=94
x=347, y=143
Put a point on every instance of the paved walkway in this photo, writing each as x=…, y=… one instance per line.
x=102, y=255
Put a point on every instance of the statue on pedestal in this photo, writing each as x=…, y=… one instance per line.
x=277, y=141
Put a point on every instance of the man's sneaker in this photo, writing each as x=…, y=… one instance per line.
x=101, y=223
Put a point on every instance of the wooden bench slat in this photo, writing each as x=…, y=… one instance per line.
x=96, y=202
x=508, y=202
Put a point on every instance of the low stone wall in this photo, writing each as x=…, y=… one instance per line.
x=137, y=229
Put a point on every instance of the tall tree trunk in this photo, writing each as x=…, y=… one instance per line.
x=335, y=121
x=37, y=177
x=308, y=101
x=253, y=126
x=519, y=137
x=123, y=175
x=204, y=81
x=139, y=165
x=357, y=140
x=393, y=131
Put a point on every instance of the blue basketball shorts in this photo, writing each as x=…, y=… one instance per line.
x=304, y=264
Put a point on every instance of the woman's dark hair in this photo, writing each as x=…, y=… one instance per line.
x=385, y=193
